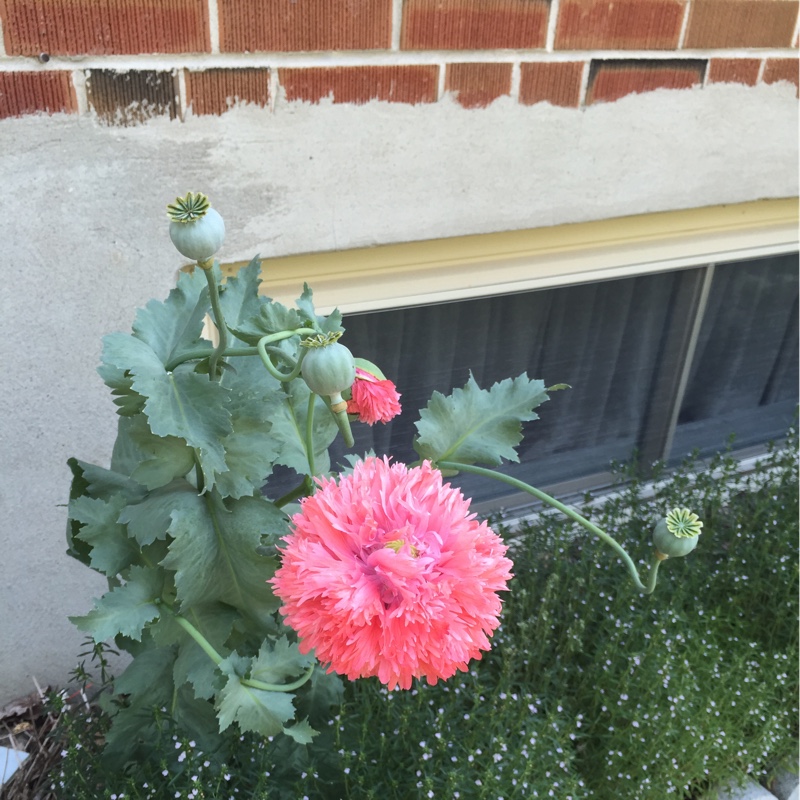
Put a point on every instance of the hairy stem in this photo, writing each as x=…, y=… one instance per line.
x=569, y=512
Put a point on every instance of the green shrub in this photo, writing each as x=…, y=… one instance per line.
x=591, y=690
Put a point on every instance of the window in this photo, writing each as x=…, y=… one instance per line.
x=623, y=346
x=674, y=331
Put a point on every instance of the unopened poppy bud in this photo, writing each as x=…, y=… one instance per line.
x=677, y=534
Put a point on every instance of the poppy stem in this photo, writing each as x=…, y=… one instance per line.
x=569, y=512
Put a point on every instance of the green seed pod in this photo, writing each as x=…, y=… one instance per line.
x=196, y=229
x=677, y=535
x=328, y=367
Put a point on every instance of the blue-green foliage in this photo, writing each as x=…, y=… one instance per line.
x=181, y=528
x=591, y=690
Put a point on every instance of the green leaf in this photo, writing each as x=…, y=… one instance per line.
x=214, y=552
x=199, y=721
x=241, y=303
x=215, y=622
x=151, y=518
x=323, y=691
x=301, y=732
x=254, y=709
x=192, y=407
x=173, y=327
x=329, y=324
x=95, y=482
x=126, y=609
x=120, y=381
x=179, y=403
x=111, y=549
x=280, y=662
x=250, y=450
x=100, y=482
x=249, y=315
x=288, y=410
x=474, y=425
x=148, y=676
x=152, y=460
x=129, y=740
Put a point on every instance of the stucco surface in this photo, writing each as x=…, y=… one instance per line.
x=84, y=240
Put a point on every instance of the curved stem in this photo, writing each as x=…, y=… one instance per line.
x=205, y=352
x=277, y=337
x=219, y=321
x=206, y=647
x=275, y=687
x=312, y=398
x=198, y=473
x=342, y=421
x=570, y=512
x=303, y=490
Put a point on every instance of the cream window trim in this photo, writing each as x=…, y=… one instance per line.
x=441, y=270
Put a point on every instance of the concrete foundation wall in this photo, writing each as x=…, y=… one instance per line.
x=84, y=242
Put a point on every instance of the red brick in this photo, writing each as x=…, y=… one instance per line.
x=619, y=24
x=782, y=69
x=214, y=91
x=474, y=24
x=29, y=92
x=611, y=80
x=734, y=70
x=296, y=25
x=477, y=85
x=557, y=83
x=397, y=84
x=127, y=98
x=104, y=27
x=741, y=23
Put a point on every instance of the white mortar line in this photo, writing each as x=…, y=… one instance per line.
x=516, y=80
x=551, y=26
x=761, y=67
x=79, y=84
x=684, y=25
x=2, y=41
x=369, y=58
x=213, y=25
x=182, y=98
x=587, y=68
x=397, y=23
x=441, y=86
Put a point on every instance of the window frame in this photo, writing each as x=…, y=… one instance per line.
x=443, y=270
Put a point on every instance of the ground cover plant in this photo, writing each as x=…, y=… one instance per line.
x=638, y=697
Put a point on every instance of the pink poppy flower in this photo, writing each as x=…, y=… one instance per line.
x=387, y=574
x=373, y=400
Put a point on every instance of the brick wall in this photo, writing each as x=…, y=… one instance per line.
x=126, y=60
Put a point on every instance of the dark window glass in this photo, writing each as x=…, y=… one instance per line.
x=607, y=340
x=744, y=375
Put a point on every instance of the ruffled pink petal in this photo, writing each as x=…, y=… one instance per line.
x=387, y=574
x=373, y=400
